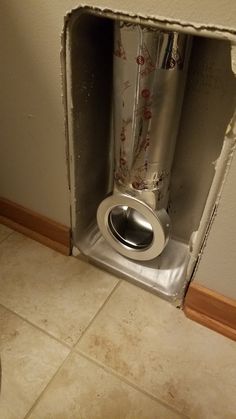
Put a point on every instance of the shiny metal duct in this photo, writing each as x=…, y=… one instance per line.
x=150, y=68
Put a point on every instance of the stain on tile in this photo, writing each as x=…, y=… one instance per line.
x=4, y=232
x=60, y=294
x=153, y=345
x=89, y=392
x=29, y=360
x=111, y=353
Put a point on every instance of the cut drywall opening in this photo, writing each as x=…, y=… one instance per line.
x=207, y=109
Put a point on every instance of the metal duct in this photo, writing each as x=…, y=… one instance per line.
x=150, y=68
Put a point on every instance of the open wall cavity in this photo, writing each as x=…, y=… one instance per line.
x=208, y=106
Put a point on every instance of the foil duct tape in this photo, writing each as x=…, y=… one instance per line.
x=148, y=92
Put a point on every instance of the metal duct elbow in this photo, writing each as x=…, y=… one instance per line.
x=150, y=67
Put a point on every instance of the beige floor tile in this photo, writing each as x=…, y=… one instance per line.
x=29, y=360
x=153, y=345
x=4, y=232
x=82, y=390
x=58, y=293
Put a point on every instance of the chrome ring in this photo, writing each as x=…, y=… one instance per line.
x=133, y=228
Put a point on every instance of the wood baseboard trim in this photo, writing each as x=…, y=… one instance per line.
x=211, y=309
x=35, y=226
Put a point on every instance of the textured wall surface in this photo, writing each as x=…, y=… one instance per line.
x=32, y=147
x=217, y=269
x=32, y=156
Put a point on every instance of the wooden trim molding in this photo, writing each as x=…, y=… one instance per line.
x=36, y=226
x=211, y=309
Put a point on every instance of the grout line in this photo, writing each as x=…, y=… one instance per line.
x=110, y=371
x=98, y=312
x=127, y=381
x=48, y=384
x=37, y=327
x=73, y=350
x=62, y=342
x=8, y=235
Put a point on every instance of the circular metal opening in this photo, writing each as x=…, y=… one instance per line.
x=130, y=227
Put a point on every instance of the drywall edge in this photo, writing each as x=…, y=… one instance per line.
x=222, y=167
x=210, y=210
x=197, y=29
x=223, y=163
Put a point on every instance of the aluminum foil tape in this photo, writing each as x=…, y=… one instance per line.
x=148, y=92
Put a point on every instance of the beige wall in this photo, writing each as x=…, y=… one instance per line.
x=32, y=157
x=32, y=148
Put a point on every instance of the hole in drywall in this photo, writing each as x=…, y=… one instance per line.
x=207, y=109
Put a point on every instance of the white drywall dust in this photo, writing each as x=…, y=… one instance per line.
x=32, y=146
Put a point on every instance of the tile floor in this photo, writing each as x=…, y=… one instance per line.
x=78, y=343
